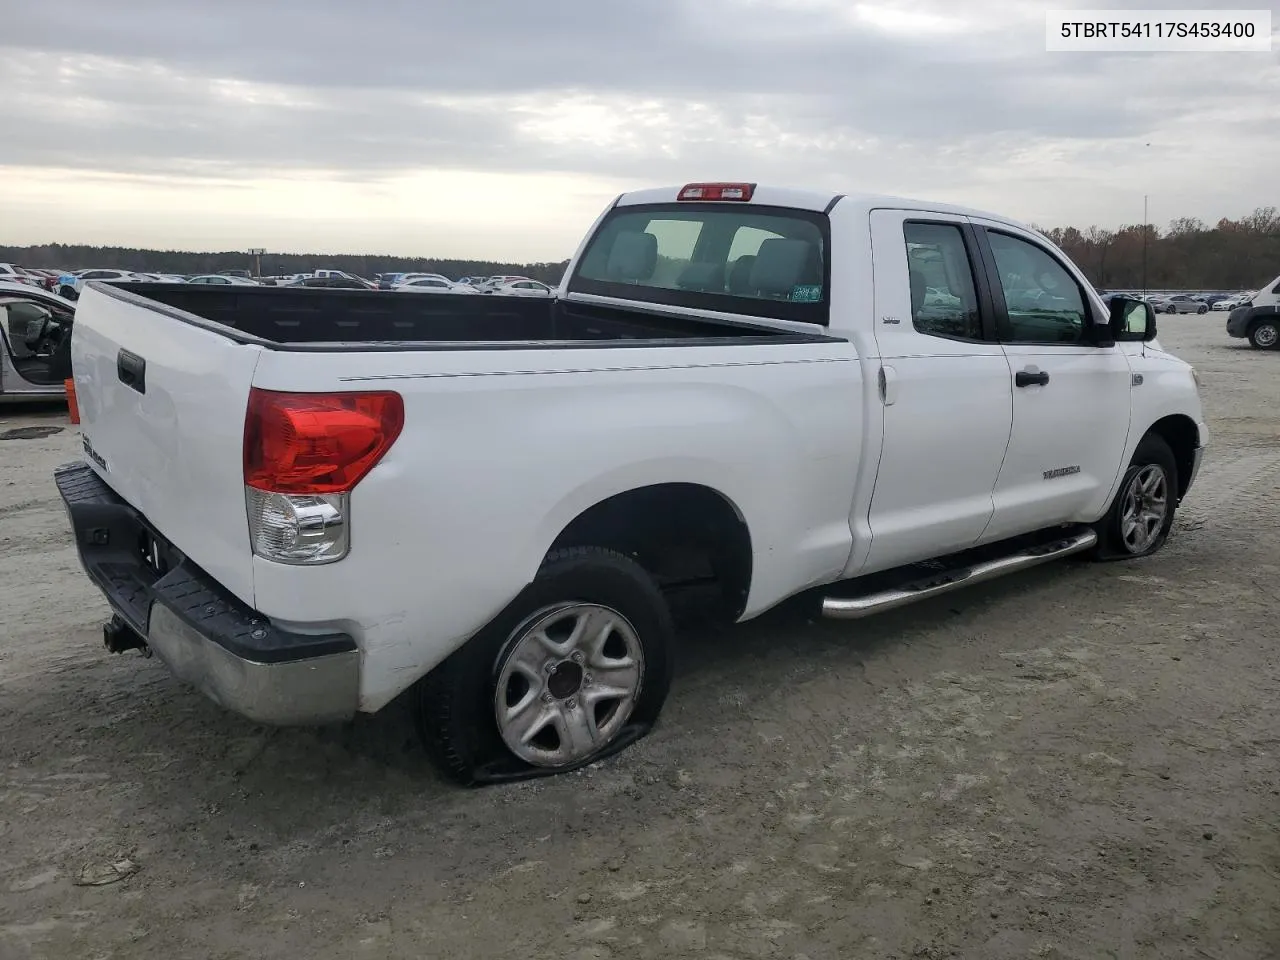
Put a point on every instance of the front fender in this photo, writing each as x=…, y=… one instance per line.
x=1168, y=389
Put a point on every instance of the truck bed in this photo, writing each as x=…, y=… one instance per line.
x=327, y=319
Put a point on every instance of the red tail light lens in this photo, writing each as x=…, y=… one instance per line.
x=313, y=443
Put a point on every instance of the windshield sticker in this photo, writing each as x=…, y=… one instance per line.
x=806, y=293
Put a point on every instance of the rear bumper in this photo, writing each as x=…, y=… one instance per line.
x=203, y=633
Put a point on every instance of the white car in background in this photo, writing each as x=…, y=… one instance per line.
x=493, y=283
x=407, y=277
x=12, y=273
x=70, y=284
x=523, y=288
x=1239, y=300
x=160, y=277
x=431, y=285
x=217, y=279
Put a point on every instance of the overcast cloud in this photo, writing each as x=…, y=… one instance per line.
x=499, y=127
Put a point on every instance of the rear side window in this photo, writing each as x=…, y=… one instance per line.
x=735, y=258
x=944, y=300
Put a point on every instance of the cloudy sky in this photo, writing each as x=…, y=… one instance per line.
x=499, y=128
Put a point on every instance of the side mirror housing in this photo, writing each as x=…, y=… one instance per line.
x=1132, y=320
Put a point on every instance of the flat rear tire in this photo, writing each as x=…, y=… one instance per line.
x=574, y=670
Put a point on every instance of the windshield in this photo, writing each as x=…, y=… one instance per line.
x=734, y=258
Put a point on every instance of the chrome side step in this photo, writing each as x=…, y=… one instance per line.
x=854, y=608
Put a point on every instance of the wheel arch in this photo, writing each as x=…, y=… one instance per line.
x=684, y=534
x=1182, y=435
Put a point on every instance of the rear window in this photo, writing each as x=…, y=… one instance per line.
x=735, y=258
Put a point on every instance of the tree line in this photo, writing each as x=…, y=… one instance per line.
x=62, y=256
x=1190, y=255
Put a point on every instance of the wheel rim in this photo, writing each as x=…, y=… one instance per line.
x=567, y=683
x=1146, y=505
x=1266, y=335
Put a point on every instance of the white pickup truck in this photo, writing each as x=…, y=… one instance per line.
x=308, y=502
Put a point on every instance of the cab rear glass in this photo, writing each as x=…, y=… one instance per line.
x=748, y=259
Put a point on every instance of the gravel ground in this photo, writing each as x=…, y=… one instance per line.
x=1079, y=761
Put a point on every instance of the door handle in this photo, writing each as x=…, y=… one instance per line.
x=888, y=386
x=1031, y=377
x=132, y=370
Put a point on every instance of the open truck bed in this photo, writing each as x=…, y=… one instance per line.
x=319, y=319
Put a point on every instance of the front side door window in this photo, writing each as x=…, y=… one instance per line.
x=1043, y=301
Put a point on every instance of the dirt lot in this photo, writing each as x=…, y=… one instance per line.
x=1078, y=762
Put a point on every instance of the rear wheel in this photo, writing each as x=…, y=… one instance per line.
x=1141, y=515
x=1264, y=335
x=574, y=670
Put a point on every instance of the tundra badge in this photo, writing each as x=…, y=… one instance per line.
x=93, y=454
x=1060, y=472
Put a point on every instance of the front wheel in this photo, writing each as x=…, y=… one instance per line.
x=1264, y=335
x=1203, y=309
x=576, y=669
x=1141, y=515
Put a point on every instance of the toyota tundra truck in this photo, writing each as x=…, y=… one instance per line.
x=309, y=502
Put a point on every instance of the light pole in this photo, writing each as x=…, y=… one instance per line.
x=1145, y=231
x=1144, y=246
x=256, y=253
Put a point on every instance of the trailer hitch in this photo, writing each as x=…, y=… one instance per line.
x=118, y=636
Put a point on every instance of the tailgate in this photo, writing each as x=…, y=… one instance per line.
x=162, y=408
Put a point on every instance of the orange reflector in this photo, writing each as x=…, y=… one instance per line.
x=73, y=408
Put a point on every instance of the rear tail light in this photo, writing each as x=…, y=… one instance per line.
x=303, y=455
x=717, y=191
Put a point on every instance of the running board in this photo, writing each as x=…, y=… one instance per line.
x=854, y=608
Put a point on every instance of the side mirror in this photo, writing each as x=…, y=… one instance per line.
x=1132, y=319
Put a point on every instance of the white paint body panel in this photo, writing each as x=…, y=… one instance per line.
x=506, y=447
x=503, y=448
x=176, y=452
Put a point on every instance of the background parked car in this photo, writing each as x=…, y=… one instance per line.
x=12, y=273
x=219, y=279
x=35, y=341
x=70, y=284
x=344, y=282
x=428, y=285
x=523, y=288
x=1184, y=303
x=1239, y=300
x=488, y=286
